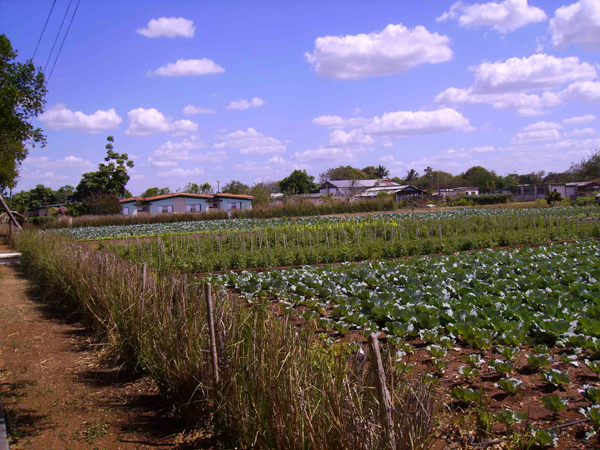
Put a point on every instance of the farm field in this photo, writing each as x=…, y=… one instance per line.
x=156, y=229
x=511, y=337
x=319, y=241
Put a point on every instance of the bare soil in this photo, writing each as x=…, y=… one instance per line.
x=60, y=391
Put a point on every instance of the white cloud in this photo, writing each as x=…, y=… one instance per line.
x=581, y=132
x=189, y=68
x=183, y=151
x=326, y=154
x=543, y=126
x=191, y=109
x=276, y=160
x=577, y=24
x=505, y=85
x=528, y=137
x=387, y=158
x=69, y=162
x=483, y=149
x=340, y=138
x=585, y=91
x=181, y=172
x=59, y=117
x=396, y=49
x=404, y=123
x=580, y=120
x=143, y=122
x=43, y=177
x=154, y=163
x=387, y=144
x=242, y=104
x=168, y=27
x=249, y=142
x=504, y=17
x=340, y=122
x=539, y=71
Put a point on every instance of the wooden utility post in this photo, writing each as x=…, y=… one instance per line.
x=382, y=390
x=211, y=327
x=10, y=214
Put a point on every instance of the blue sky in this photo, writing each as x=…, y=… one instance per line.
x=206, y=91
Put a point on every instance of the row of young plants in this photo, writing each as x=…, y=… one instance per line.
x=181, y=227
x=347, y=241
x=522, y=303
x=279, y=386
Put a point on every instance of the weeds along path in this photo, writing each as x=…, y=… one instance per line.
x=56, y=390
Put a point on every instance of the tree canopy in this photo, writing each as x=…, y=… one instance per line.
x=236, y=187
x=22, y=97
x=154, y=191
x=193, y=188
x=342, y=173
x=298, y=182
x=111, y=176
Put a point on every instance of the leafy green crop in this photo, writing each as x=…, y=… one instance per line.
x=510, y=385
x=554, y=402
x=556, y=377
x=539, y=361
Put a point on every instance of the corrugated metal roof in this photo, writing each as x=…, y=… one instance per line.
x=362, y=183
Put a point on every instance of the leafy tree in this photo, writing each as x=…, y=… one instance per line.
x=298, y=182
x=553, y=197
x=22, y=97
x=342, y=173
x=65, y=193
x=480, y=177
x=154, y=191
x=411, y=176
x=587, y=169
x=104, y=204
x=236, y=187
x=376, y=172
x=262, y=195
x=110, y=178
x=193, y=188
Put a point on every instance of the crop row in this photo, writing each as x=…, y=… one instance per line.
x=155, y=229
x=346, y=241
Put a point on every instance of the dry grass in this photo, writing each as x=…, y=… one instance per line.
x=281, y=386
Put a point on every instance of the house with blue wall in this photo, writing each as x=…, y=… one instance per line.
x=182, y=202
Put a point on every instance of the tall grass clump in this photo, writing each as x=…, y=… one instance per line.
x=280, y=385
x=120, y=219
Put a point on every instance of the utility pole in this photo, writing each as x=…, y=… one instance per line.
x=218, y=186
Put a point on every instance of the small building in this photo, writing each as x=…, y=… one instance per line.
x=457, y=191
x=399, y=191
x=585, y=187
x=538, y=191
x=182, y=202
x=43, y=210
x=341, y=188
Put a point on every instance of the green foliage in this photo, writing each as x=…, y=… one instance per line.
x=510, y=418
x=539, y=361
x=468, y=372
x=553, y=197
x=510, y=385
x=154, y=191
x=373, y=172
x=555, y=403
x=111, y=176
x=345, y=173
x=556, y=377
x=591, y=393
x=262, y=195
x=467, y=395
x=509, y=353
x=298, y=182
x=594, y=366
x=104, y=204
x=22, y=98
x=473, y=360
x=236, y=187
x=483, y=199
x=193, y=188
x=588, y=168
x=502, y=367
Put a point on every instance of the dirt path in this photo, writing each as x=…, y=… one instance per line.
x=59, y=394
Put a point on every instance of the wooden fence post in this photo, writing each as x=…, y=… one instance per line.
x=211, y=327
x=382, y=390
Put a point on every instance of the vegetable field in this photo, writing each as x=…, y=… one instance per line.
x=512, y=336
x=321, y=242
x=156, y=229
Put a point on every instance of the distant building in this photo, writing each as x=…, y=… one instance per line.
x=341, y=188
x=457, y=191
x=537, y=191
x=183, y=202
x=585, y=187
x=398, y=191
x=42, y=211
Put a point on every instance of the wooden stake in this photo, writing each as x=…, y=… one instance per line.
x=382, y=390
x=211, y=327
x=10, y=214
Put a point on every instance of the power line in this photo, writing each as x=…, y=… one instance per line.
x=43, y=29
x=57, y=35
x=64, y=39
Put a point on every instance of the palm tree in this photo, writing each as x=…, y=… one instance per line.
x=381, y=172
x=411, y=176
